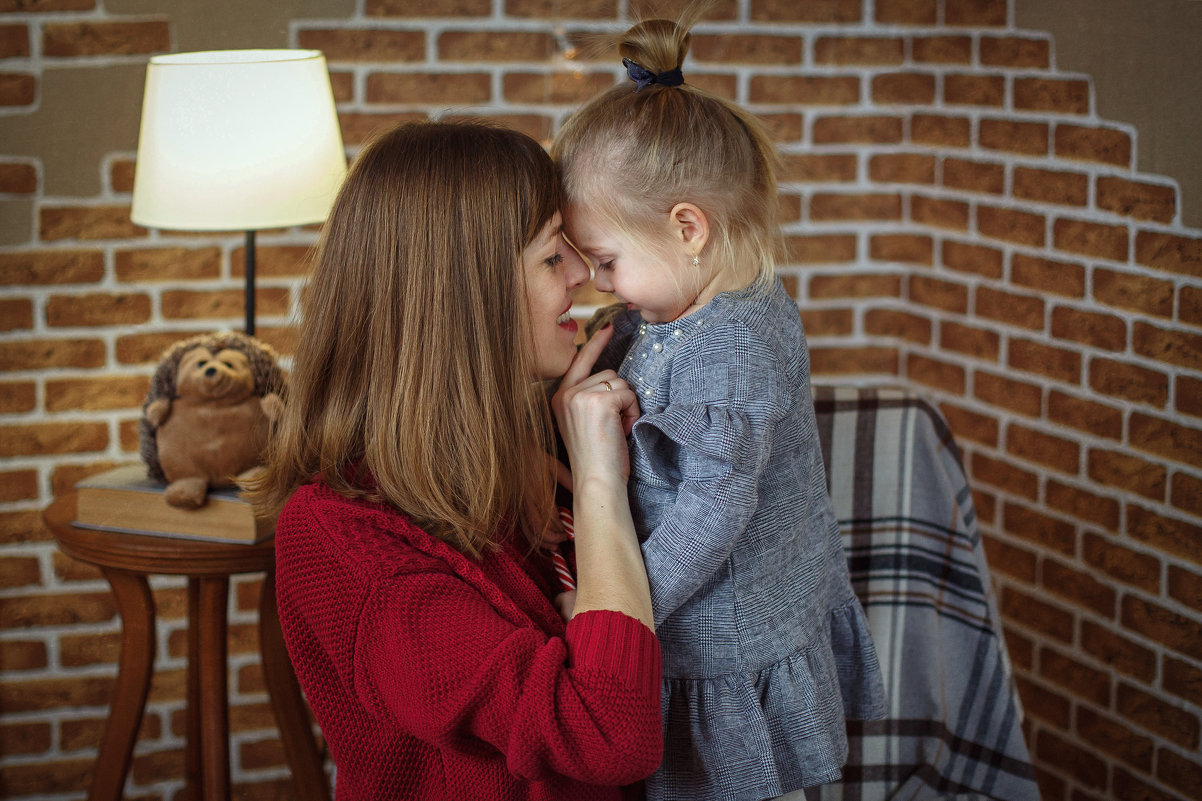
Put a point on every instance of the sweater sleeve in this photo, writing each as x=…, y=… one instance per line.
x=434, y=654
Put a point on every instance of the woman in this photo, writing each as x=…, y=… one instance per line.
x=412, y=472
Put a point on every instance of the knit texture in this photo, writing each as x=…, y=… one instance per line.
x=437, y=677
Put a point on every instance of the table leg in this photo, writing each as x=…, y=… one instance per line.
x=308, y=771
x=208, y=753
x=135, y=604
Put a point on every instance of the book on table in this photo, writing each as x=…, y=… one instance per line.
x=126, y=499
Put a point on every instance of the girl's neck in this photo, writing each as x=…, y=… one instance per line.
x=721, y=279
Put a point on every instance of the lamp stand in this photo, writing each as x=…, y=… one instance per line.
x=249, y=252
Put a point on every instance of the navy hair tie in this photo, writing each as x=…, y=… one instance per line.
x=643, y=77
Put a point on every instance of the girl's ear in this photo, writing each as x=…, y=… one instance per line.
x=689, y=226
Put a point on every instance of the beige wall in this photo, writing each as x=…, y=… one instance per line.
x=1145, y=57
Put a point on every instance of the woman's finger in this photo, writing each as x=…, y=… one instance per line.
x=586, y=357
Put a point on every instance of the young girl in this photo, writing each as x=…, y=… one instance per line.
x=671, y=194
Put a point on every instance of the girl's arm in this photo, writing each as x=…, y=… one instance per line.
x=595, y=413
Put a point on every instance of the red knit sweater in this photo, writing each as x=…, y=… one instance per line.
x=437, y=677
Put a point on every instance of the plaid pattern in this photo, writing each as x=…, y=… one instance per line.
x=918, y=567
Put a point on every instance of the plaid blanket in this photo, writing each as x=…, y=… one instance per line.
x=918, y=566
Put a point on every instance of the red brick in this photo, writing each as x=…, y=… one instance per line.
x=1015, y=51
x=1082, y=764
x=1051, y=186
x=820, y=11
x=105, y=38
x=1189, y=395
x=1042, y=703
x=16, y=314
x=1168, y=252
x=1181, y=348
x=87, y=222
x=969, y=340
x=905, y=248
x=1190, y=308
x=1014, y=136
x=1103, y=331
x=1163, y=626
x=1168, y=534
x=940, y=294
x=367, y=45
x=1091, y=239
x=930, y=129
x=1085, y=415
x=1186, y=493
x=820, y=248
x=1128, y=472
x=975, y=12
x=19, y=485
x=1035, y=357
x=1007, y=393
x=942, y=49
x=1137, y=292
x=857, y=206
x=1082, y=680
x=974, y=259
x=1180, y=773
x=876, y=129
x=902, y=168
x=1115, y=739
x=1036, y=614
x=14, y=41
x=938, y=212
x=855, y=285
x=1183, y=680
x=1116, y=651
x=1026, y=311
x=1061, y=278
x=968, y=424
x=935, y=373
x=17, y=396
x=819, y=167
x=907, y=88
x=17, y=89
x=46, y=353
x=828, y=322
x=873, y=50
x=817, y=90
x=494, y=46
x=1062, y=96
x=172, y=264
x=18, y=179
x=854, y=361
x=1166, y=438
x=1051, y=450
x=1104, y=145
x=1143, y=201
x=97, y=309
x=1154, y=715
x=1006, y=559
x=455, y=87
x=447, y=8
x=178, y=304
x=95, y=393
x=38, y=439
x=1185, y=587
x=1005, y=475
x=1130, y=381
x=974, y=90
x=1088, y=506
x=1012, y=225
x=907, y=12
x=974, y=176
x=746, y=49
x=43, y=267
x=357, y=129
x=899, y=324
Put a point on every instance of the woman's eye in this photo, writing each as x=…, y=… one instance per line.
x=554, y=260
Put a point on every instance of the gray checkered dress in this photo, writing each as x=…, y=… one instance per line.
x=765, y=646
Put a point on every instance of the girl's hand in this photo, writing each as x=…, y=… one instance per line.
x=595, y=413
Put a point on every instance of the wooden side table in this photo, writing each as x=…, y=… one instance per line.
x=126, y=560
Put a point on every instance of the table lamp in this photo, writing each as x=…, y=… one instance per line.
x=237, y=140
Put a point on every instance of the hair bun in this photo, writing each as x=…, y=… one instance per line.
x=658, y=46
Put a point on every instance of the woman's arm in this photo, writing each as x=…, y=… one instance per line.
x=595, y=413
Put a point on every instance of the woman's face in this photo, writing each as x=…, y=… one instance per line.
x=553, y=269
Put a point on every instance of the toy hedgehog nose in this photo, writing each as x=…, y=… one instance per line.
x=210, y=371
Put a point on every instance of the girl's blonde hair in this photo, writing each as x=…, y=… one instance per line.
x=633, y=155
x=413, y=381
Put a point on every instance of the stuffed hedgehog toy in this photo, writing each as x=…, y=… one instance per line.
x=208, y=414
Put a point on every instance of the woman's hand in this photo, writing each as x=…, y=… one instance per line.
x=595, y=413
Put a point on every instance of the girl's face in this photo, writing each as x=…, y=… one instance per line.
x=660, y=291
x=552, y=269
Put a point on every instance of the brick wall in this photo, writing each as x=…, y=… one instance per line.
x=958, y=219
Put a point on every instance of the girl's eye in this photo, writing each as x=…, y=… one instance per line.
x=554, y=260
x=605, y=265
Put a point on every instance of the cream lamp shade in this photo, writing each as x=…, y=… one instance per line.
x=237, y=140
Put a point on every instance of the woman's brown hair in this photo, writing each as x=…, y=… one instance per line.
x=413, y=381
x=633, y=155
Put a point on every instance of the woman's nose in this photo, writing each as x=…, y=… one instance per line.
x=575, y=269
